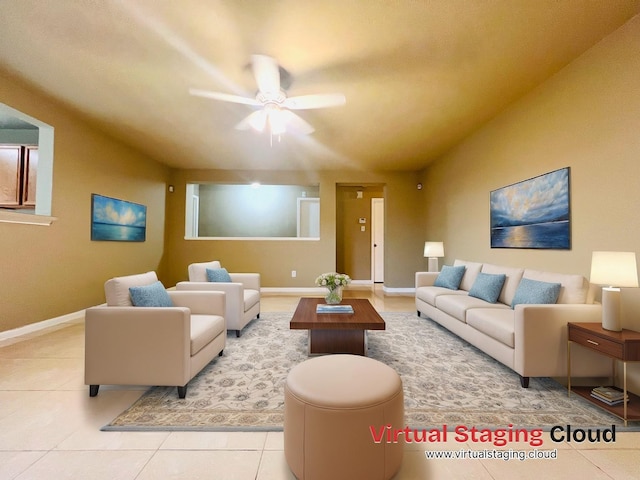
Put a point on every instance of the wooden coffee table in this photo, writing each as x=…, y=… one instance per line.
x=337, y=332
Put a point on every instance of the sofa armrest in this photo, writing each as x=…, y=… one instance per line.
x=541, y=338
x=250, y=281
x=425, y=279
x=199, y=302
x=137, y=345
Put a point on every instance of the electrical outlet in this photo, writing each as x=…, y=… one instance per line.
x=293, y=273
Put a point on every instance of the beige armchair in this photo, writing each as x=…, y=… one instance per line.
x=243, y=293
x=163, y=346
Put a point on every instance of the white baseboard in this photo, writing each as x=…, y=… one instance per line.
x=294, y=290
x=398, y=291
x=34, y=327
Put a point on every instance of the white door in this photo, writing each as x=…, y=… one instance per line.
x=377, y=240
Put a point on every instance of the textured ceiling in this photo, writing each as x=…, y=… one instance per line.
x=418, y=75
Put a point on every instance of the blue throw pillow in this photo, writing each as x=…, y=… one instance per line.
x=218, y=275
x=487, y=286
x=450, y=277
x=154, y=295
x=535, y=291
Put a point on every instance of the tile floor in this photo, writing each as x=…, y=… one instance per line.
x=49, y=428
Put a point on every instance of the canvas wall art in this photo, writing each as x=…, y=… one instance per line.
x=117, y=220
x=534, y=213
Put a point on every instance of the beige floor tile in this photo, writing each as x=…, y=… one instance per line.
x=215, y=441
x=100, y=465
x=619, y=464
x=39, y=373
x=415, y=466
x=624, y=440
x=275, y=441
x=568, y=464
x=14, y=463
x=185, y=464
x=273, y=466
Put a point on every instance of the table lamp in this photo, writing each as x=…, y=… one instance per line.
x=433, y=250
x=613, y=270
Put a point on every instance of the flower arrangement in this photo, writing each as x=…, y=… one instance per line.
x=333, y=280
x=334, y=283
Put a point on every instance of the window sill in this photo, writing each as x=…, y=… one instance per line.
x=26, y=218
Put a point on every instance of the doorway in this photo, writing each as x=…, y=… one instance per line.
x=355, y=226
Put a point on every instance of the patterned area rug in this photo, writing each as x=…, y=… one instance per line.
x=446, y=381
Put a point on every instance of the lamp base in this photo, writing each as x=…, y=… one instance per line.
x=611, y=309
x=433, y=264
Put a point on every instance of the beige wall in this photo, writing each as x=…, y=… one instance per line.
x=588, y=118
x=50, y=271
x=275, y=259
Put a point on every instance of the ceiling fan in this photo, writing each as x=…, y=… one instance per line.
x=275, y=108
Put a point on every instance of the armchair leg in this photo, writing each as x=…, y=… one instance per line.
x=524, y=382
x=418, y=312
x=258, y=315
x=93, y=390
x=182, y=392
x=220, y=354
x=238, y=333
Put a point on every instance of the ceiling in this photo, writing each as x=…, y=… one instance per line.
x=418, y=75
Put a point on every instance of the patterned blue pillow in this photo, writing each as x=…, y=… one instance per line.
x=450, y=277
x=487, y=286
x=535, y=291
x=218, y=275
x=154, y=295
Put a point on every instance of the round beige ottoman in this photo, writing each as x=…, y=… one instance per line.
x=331, y=406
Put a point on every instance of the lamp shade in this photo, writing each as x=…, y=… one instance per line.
x=617, y=269
x=433, y=249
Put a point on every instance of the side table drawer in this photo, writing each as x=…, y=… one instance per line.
x=594, y=342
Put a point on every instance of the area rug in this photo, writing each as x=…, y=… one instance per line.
x=446, y=381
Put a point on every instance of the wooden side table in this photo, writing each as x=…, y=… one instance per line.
x=621, y=346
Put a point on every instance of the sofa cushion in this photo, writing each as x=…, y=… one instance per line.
x=458, y=305
x=487, y=286
x=218, y=275
x=429, y=294
x=450, y=277
x=511, y=282
x=497, y=323
x=198, y=271
x=536, y=292
x=204, y=328
x=251, y=297
x=117, y=289
x=574, y=288
x=471, y=272
x=154, y=295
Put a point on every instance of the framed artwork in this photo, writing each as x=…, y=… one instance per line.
x=534, y=213
x=117, y=220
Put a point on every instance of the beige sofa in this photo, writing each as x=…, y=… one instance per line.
x=531, y=339
x=164, y=346
x=243, y=293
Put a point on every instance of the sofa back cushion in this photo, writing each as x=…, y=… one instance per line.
x=511, y=281
x=198, y=271
x=116, y=290
x=574, y=288
x=471, y=272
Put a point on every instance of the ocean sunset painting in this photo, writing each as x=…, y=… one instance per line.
x=117, y=220
x=534, y=213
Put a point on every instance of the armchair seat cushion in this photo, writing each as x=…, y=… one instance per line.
x=251, y=298
x=204, y=328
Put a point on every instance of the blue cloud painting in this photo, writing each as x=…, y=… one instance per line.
x=117, y=220
x=532, y=214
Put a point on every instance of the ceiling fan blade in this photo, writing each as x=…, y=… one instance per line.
x=267, y=73
x=304, y=102
x=296, y=124
x=225, y=97
x=257, y=120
